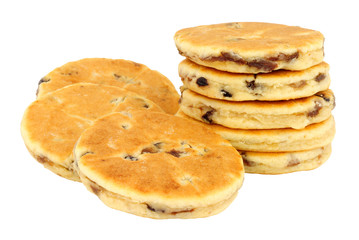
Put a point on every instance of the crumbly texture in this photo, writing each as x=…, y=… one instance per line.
x=166, y=165
x=276, y=140
x=277, y=85
x=251, y=47
x=284, y=162
x=52, y=124
x=296, y=113
x=126, y=74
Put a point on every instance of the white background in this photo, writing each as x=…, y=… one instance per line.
x=37, y=36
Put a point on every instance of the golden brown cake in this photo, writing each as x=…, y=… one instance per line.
x=251, y=47
x=295, y=113
x=158, y=165
x=284, y=162
x=126, y=74
x=276, y=140
x=52, y=124
x=273, y=86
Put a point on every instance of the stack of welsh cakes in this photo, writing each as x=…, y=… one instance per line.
x=264, y=87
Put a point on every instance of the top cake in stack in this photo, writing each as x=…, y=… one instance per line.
x=251, y=47
x=253, y=81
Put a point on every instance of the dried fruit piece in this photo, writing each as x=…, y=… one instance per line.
x=175, y=153
x=201, y=81
x=208, y=116
x=320, y=77
x=315, y=111
x=130, y=157
x=225, y=93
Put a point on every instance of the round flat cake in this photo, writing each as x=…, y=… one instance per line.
x=126, y=74
x=295, y=113
x=276, y=140
x=251, y=47
x=158, y=165
x=273, y=86
x=52, y=124
x=284, y=162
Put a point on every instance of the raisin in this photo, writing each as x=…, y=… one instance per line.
x=225, y=56
x=251, y=85
x=154, y=210
x=262, y=64
x=132, y=158
x=149, y=150
x=291, y=56
x=320, y=77
x=117, y=76
x=201, y=81
x=230, y=56
x=225, y=93
x=175, y=153
x=323, y=96
x=207, y=116
x=299, y=84
x=158, y=145
x=316, y=109
x=42, y=159
x=265, y=64
x=284, y=57
x=247, y=162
